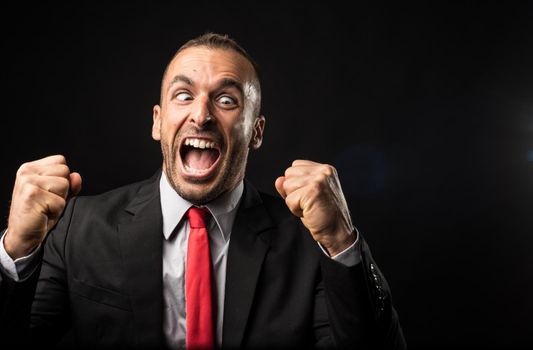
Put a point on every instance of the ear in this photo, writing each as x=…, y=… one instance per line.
x=257, y=135
x=156, y=126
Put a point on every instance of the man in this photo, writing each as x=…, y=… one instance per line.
x=113, y=269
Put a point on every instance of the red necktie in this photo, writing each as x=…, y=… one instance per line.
x=198, y=280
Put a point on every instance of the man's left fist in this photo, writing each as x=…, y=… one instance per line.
x=313, y=192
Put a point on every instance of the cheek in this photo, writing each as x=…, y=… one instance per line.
x=170, y=126
x=246, y=127
x=240, y=128
x=234, y=135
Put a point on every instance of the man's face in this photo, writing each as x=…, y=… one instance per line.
x=206, y=122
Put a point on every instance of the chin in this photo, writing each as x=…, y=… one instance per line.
x=198, y=192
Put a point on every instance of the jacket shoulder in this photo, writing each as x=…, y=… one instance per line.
x=114, y=201
x=275, y=206
x=125, y=191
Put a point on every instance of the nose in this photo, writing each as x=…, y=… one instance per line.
x=201, y=113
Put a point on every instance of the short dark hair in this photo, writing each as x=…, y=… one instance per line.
x=217, y=41
x=220, y=41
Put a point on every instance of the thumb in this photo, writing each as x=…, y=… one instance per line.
x=279, y=186
x=75, y=183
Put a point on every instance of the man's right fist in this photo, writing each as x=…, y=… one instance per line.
x=40, y=195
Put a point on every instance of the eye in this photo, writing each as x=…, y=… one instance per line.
x=226, y=100
x=183, y=96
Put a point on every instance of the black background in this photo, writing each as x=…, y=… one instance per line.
x=426, y=110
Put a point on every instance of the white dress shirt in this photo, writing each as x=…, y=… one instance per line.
x=175, y=232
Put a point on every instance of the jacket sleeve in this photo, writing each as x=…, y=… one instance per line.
x=35, y=311
x=359, y=305
x=15, y=306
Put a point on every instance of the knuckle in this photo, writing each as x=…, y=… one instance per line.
x=292, y=205
x=61, y=159
x=64, y=183
x=328, y=170
x=321, y=179
x=29, y=192
x=289, y=200
x=23, y=169
x=61, y=203
x=65, y=169
x=56, y=201
x=24, y=178
x=64, y=186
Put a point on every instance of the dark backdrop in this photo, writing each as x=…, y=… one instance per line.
x=425, y=110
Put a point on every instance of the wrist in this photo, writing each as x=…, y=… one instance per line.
x=340, y=242
x=16, y=247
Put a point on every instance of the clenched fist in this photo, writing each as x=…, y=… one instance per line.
x=39, y=198
x=313, y=192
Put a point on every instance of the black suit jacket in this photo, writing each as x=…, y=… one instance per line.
x=100, y=281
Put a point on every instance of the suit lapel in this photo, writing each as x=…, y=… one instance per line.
x=249, y=243
x=140, y=234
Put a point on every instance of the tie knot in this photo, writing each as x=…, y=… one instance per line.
x=197, y=217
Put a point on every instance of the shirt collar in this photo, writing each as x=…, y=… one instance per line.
x=174, y=207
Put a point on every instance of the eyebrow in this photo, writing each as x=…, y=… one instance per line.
x=180, y=78
x=226, y=82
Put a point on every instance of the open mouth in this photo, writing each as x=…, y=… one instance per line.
x=199, y=157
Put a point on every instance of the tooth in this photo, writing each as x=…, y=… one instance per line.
x=209, y=145
x=202, y=144
x=196, y=143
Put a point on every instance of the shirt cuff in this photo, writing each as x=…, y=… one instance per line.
x=18, y=269
x=350, y=256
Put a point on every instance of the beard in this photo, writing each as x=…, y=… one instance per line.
x=229, y=172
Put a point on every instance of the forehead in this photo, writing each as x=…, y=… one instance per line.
x=207, y=64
